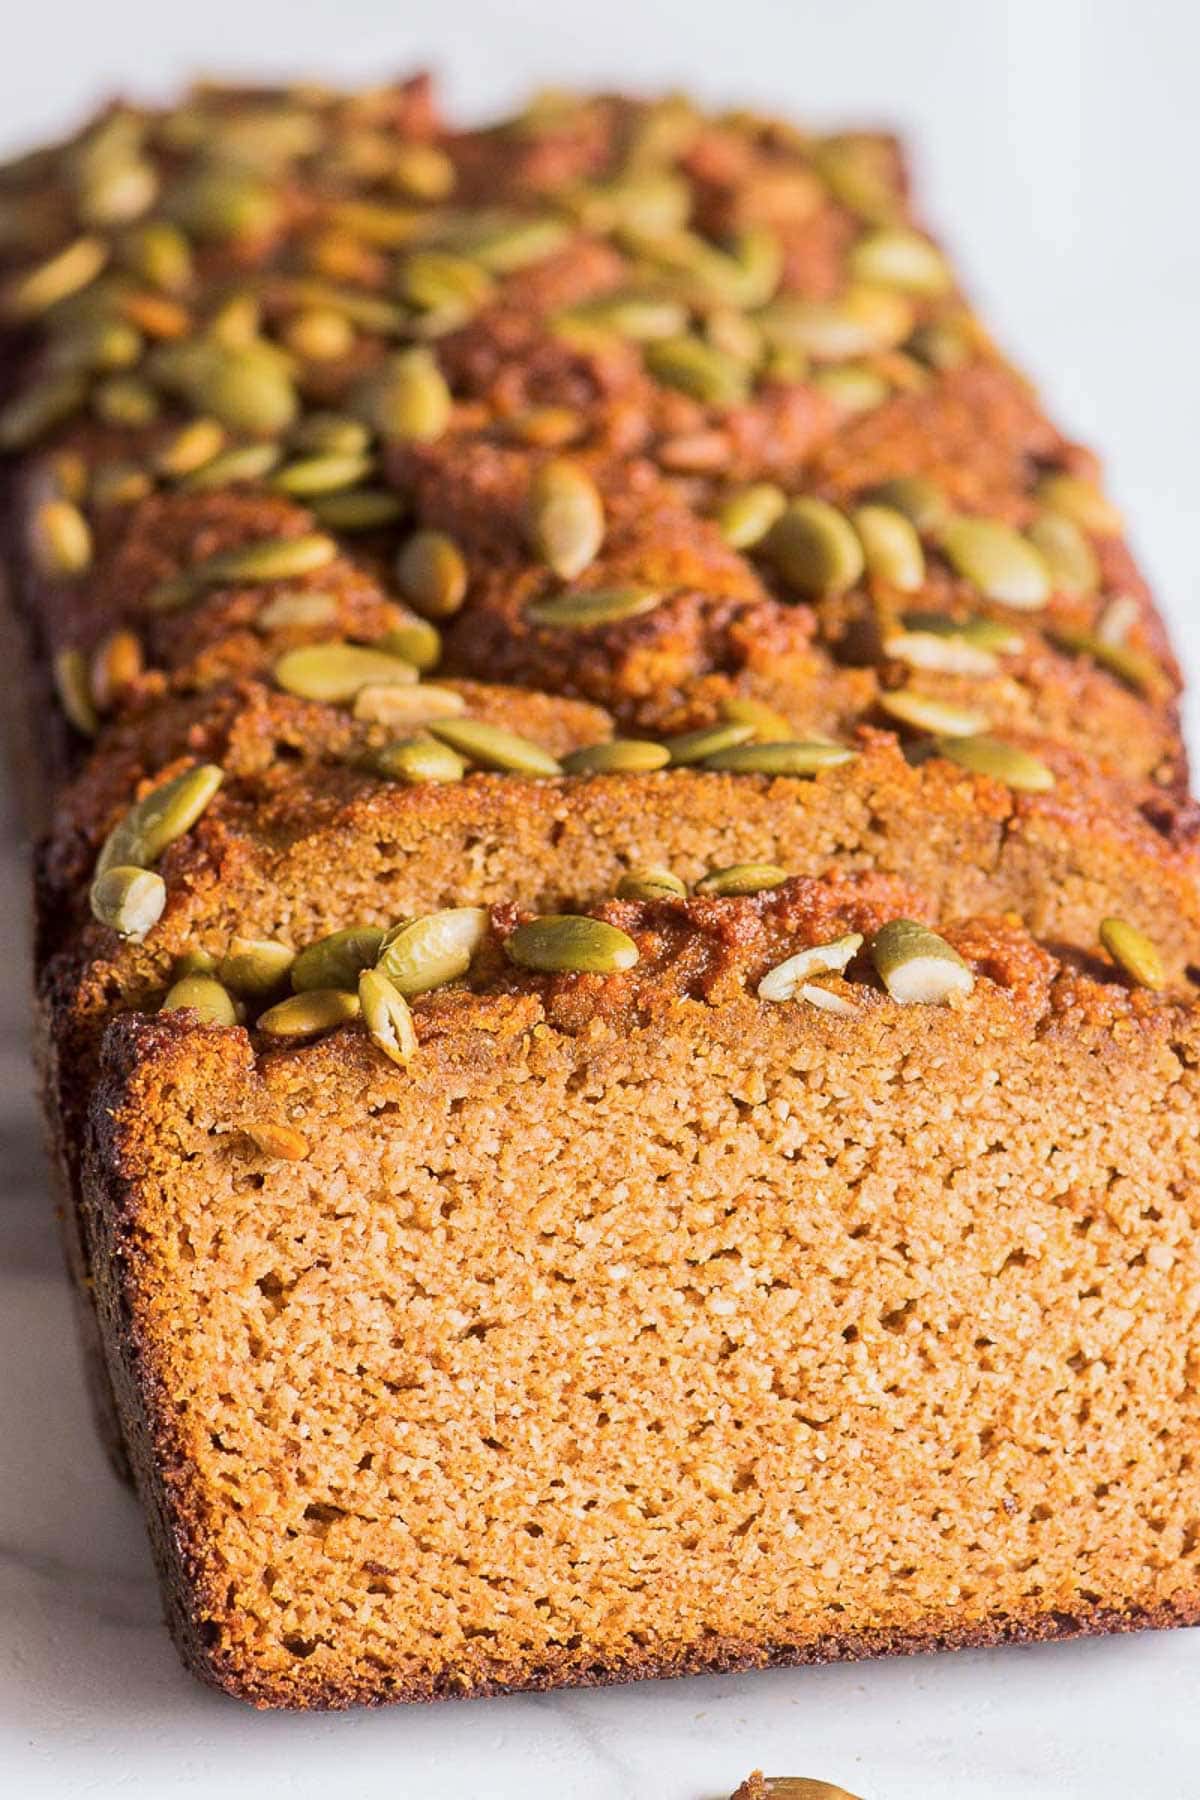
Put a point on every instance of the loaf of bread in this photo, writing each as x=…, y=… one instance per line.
x=617, y=912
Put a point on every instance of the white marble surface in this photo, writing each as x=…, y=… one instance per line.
x=1059, y=138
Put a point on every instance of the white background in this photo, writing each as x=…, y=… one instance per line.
x=1058, y=147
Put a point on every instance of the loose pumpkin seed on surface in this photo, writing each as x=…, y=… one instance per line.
x=1132, y=666
x=814, y=548
x=790, y=757
x=335, y=672
x=922, y=712
x=826, y=1001
x=742, y=878
x=270, y=559
x=357, y=509
x=769, y=725
x=72, y=685
x=782, y=982
x=916, y=966
x=166, y=813
x=426, y=953
x=944, y=653
x=60, y=540
x=189, y=448
x=984, y=755
x=492, y=747
x=1073, y=564
x=416, y=760
x=919, y=499
x=407, y=707
x=583, y=609
x=336, y=961
x=694, y=746
x=128, y=899
x=432, y=574
x=1002, y=564
x=564, y=518
x=891, y=546
x=407, y=398
x=321, y=474
x=571, y=944
x=306, y=1015
x=617, y=756
x=61, y=275
x=1134, y=953
x=202, y=994
x=699, y=370
x=255, y=967
x=305, y=609
x=896, y=257
x=745, y=516
x=417, y=641
x=117, y=662
x=1079, y=499
x=651, y=883
x=245, y=462
x=386, y=1015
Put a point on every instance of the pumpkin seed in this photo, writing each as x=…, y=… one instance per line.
x=319, y=334
x=320, y=474
x=65, y=273
x=825, y=1001
x=790, y=757
x=922, y=712
x=255, y=967
x=639, y=317
x=852, y=388
x=416, y=760
x=201, y=994
x=571, y=943
x=331, y=434
x=74, y=691
x=160, y=253
x=1073, y=565
x=386, y=1016
x=564, y=518
x=357, y=509
x=305, y=1015
x=407, y=398
x=800, y=1787
x=1131, y=666
x=60, y=540
x=437, y=281
x=40, y=407
x=1080, y=499
x=118, y=484
x=1008, y=763
x=117, y=663
x=700, y=370
x=742, y=878
x=1133, y=952
x=746, y=516
x=416, y=642
x=690, y=747
x=305, y=609
x=248, y=388
x=282, y=1141
x=769, y=726
x=916, y=966
x=861, y=322
x=128, y=899
x=814, y=548
x=894, y=257
x=432, y=574
x=781, y=982
x=997, y=560
x=193, y=962
x=270, y=559
x=945, y=653
x=1117, y=620
x=940, y=345
x=338, y=960
x=224, y=202
x=581, y=609
x=125, y=401
x=423, y=170
x=506, y=246
x=617, y=756
x=651, y=883
x=857, y=171
x=245, y=462
x=189, y=448
x=920, y=500
x=891, y=546
x=492, y=747
x=426, y=953
x=166, y=813
x=335, y=672
x=983, y=634
x=406, y=708
x=546, y=427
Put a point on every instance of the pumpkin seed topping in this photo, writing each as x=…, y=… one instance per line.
x=1129, y=665
x=426, y=953
x=920, y=500
x=416, y=642
x=270, y=559
x=202, y=994
x=255, y=967
x=407, y=398
x=1133, y=952
x=248, y=388
x=698, y=369
x=60, y=539
x=651, y=883
x=190, y=447
x=1008, y=763
x=746, y=516
x=1077, y=498
x=1074, y=568
x=742, y=878
x=983, y=634
x=166, y=813
x=997, y=560
x=571, y=943
x=582, y=609
x=770, y=726
x=304, y=609
x=782, y=982
x=338, y=960
x=39, y=408
x=916, y=966
x=564, y=518
x=492, y=747
x=128, y=899
x=306, y=1015
x=116, y=664
x=321, y=474
x=695, y=746
x=791, y=757
x=895, y=257
x=814, y=548
x=357, y=509
x=922, y=712
x=826, y=1001
x=386, y=1015
x=244, y=462
x=415, y=760
x=335, y=672
x=407, y=707
x=944, y=653
x=73, y=688
x=432, y=573
x=63, y=274
x=891, y=546
x=617, y=756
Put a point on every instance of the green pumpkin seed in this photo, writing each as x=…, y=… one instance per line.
x=72, y=685
x=386, y=1015
x=916, y=966
x=101, y=344
x=891, y=546
x=564, y=518
x=1077, y=498
x=118, y=484
x=117, y=663
x=940, y=345
x=331, y=434
x=245, y=462
x=997, y=560
x=201, y=994
x=417, y=760
x=984, y=755
x=35, y=411
x=651, y=883
x=166, y=813
x=640, y=317
x=857, y=172
x=1073, y=565
x=920, y=500
x=60, y=540
x=407, y=398
x=270, y=559
x=248, y=388
x=405, y=708
x=320, y=474
x=742, y=878
x=1133, y=952
x=193, y=962
x=338, y=960
x=617, y=756
x=922, y=712
x=319, y=334
x=66, y=272
x=583, y=609
x=189, y=448
x=861, y=322
x=432, y=574
x=851, y=388
x=769, y=726
x=690, y=747
x=944, y=653
x=698, y=369
x=781, y=982
x=304, y=610
x=160, y=254
x=438, y=281
x=424, y=171
x=335, y=672
x=129, y=900
x=1118, y=619
x=983, y=634
x=571, y=943
x=125, y=401
x=307, y=1014
x=814, y=548
x=218, y=202
x=255, y=967
x=894, y=257
x=746, y=516
x=491, y=747
x=504, y=247
x=790, y=757
x=1131, y=666
x=426, y=953
x=416, y=642
x=358, y=509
